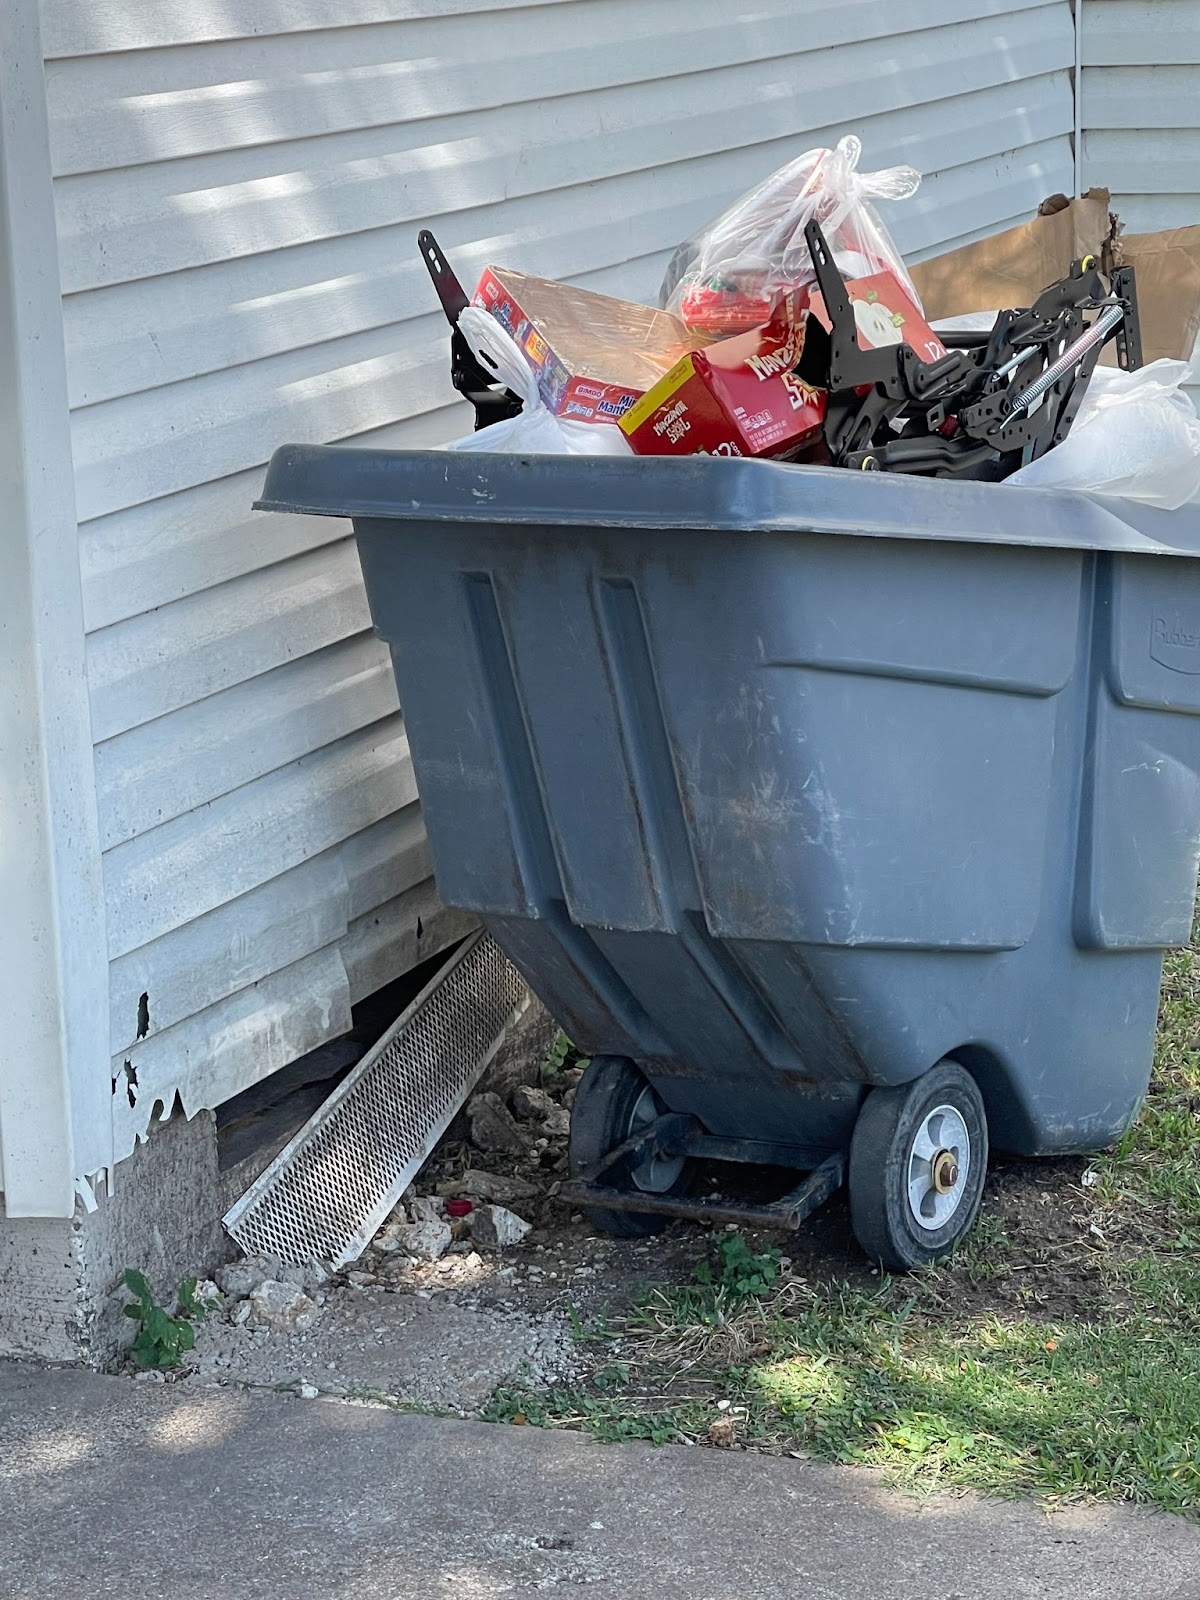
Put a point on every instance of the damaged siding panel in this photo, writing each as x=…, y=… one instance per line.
x=197, y=966
x=382, y=862
x=215, y=1054
x=1139, y=111
x=239, y=184
x=415, y=923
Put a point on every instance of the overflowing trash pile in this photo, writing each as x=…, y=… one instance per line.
x=791, y=329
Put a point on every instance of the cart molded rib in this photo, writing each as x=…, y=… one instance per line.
x=660, y=805
x=528, y=824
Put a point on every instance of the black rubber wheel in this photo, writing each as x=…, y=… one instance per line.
x=918, y=1160
x=613, y=1097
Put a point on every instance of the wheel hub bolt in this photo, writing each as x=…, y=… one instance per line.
x=945, y=1171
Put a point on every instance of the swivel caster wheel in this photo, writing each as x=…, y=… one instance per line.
x=612, y=1102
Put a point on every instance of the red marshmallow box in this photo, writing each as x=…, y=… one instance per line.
x=740, y=397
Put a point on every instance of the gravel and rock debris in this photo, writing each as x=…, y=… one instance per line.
x=476, y=1279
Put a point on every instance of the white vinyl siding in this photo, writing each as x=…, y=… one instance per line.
x=1140, y=108
x=238, y=187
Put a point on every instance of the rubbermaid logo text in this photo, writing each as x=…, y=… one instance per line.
x=1175, y=644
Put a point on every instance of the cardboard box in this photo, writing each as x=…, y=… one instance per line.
x=740, y=397
x=1011, y=268
x=884, y=314
x=1167, y=268
x=593, y=356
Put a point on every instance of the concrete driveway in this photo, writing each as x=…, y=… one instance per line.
x=136, y=1490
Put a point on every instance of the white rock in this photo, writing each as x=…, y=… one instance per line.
x=497, y=1228
x=281, y=1307
x=240, y=1314
x=308, y=1391
x=428, y=1241
x=427, y=1208
x=241, y=1278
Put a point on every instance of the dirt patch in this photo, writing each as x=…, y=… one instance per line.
x=1036, y=1247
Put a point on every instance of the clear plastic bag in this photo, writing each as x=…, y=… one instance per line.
x=727, y=278
x=1136, y=435
x=535, y=430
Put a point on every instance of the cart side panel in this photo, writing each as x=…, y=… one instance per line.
x=1140, y=829
x=863, y=733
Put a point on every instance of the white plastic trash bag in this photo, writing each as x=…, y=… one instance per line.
x=535, y=430
x=1136, y=435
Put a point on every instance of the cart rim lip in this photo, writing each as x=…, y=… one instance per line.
x=701, y=494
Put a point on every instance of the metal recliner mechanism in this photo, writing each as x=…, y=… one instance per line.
x=994, y=400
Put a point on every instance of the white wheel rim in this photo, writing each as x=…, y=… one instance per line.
x=653, y=1174
x=939, y=1165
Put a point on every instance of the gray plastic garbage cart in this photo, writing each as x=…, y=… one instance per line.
x=843, y=818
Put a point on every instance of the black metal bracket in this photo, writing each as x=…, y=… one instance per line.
x=790, y=1212
x=492, y=402
x=1129, y=334
x=674, y=1135
x=666, y=1138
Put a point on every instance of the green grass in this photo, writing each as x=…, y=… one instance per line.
x=989, y=1402
x=1061, y=1361
x=1151, y=1183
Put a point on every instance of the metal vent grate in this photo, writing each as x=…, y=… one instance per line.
x=328, y=1190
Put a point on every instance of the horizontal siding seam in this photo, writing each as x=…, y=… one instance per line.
x=136, y=44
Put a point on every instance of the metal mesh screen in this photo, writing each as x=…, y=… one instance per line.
x=328, y=1190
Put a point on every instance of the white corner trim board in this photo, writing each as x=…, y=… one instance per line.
x=55, y=1095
